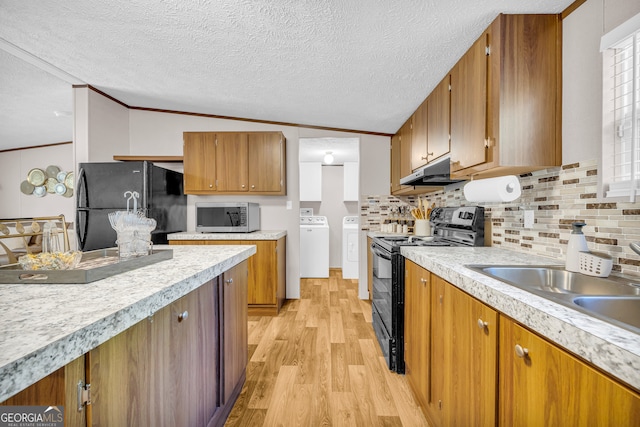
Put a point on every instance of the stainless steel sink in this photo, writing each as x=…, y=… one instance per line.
x=555, y=279
x=620, y=309
x=613, y=299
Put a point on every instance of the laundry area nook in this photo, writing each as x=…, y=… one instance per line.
x=329, y=221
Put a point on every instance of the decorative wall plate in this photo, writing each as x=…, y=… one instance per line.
x=26, y=187
x=36, y=177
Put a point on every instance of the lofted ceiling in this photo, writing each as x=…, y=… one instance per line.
x=348, y=64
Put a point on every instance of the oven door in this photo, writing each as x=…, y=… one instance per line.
x=382, y=301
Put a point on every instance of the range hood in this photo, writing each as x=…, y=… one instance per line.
x=436, y=173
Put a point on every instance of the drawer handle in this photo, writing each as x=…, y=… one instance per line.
x=482, y=324
x=183, y=316
x=229, y=281
x=521, y=352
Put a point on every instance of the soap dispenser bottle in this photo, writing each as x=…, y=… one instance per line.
x=577, y=243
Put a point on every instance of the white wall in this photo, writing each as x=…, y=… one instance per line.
x=154, y=133
x=101, y=127
x=582, y=74
x=14, y=167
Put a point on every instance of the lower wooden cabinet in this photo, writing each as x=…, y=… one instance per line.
x=234, y=331
x=267, y=273
x=450, y=351
x=417, y=318
x=163, y=371
x=468, y=365
x=59, y=388
x=543, y=385
x=468, y=368
x=183, y=366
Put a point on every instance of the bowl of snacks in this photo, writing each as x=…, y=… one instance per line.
x=50, y=260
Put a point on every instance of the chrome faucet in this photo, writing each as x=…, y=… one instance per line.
x=636, y=247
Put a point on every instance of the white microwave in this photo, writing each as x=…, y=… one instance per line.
x=231, y=217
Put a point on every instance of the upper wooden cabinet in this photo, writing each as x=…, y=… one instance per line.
x=505, y=99
x=401, y=160
x=232, y=168
x=199, y=162
x=235, y=163
x=430, y=133
x=267, y=163
x=438, y=120
x=419, y=139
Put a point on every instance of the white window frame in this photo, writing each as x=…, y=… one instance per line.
x=620, y=174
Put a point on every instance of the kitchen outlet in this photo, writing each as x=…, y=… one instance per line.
x=289, y=204
x=528, y=219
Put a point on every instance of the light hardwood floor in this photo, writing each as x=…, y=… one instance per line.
x=318, y=364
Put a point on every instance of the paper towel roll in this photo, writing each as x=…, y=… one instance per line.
x=500, y=189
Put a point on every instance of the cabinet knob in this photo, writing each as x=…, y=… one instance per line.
x=229, y=281
x=210, y=185
x=423, y=280
x=482, y=324
x=253, y=186
x=243, y=185
x=183, y=316
x=521, y=352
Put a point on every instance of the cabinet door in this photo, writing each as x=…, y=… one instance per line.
x=232, y=157
x=199, y=152
x=550, y=387
x=437, y=357
x=471, y=352
x=310, y=181
x=406, y=133
x=60, y=388
x=395, y=163
x=163, y=371
x=120, y=374
x=438, y=120
x=266, y=162
x=416, y=333
x=189, y=377
x=419, y=153
x=351, y=182
x=468, y=107
x=234, y=326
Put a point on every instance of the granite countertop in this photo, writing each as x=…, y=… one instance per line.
x=255, y=235
x=613, y=349
x=43, y=327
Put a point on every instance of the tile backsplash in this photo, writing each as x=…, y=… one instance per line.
x=558, y=197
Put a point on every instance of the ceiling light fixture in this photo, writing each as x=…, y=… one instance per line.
x=328, y=158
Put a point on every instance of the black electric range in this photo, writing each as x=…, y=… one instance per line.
x=460, y=226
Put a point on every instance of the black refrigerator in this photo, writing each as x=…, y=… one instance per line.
x=100, y=190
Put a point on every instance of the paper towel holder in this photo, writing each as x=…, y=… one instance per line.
x=503, y=189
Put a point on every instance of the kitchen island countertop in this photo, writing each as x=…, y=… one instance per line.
x=254, y=235
x=43, y=327
x=611, y=348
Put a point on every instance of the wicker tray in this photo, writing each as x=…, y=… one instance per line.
x=94, y=265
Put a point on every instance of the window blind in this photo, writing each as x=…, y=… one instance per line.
x=621, y=150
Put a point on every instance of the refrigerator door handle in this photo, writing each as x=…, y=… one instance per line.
x=82, y=193
x=81, y=227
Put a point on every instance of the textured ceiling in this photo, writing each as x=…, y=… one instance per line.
x=352, y=64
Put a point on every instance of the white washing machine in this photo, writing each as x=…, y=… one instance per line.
x=314, y=246
x=350, y=226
